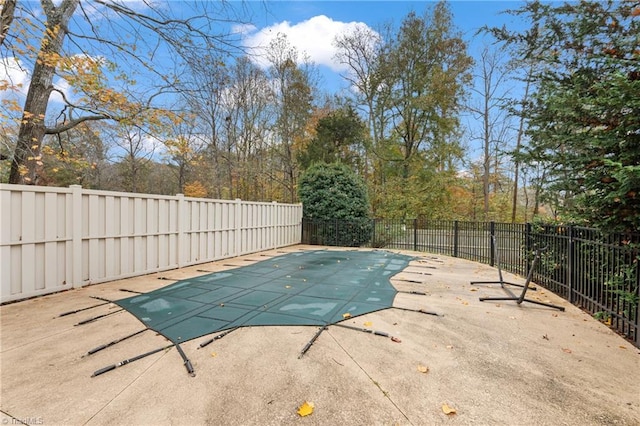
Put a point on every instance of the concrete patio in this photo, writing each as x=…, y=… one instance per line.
x=491, y=362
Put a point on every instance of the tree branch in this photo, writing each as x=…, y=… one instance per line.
x=72, y=123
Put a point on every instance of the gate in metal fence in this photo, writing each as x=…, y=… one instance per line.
x=595, y=271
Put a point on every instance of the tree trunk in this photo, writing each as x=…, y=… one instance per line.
x=6, y=18
x=26, y=157
x=514, y=201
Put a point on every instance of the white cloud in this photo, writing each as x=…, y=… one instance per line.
x=243, y=29
x=313, y=37
x=62, y=86
x=14, y=76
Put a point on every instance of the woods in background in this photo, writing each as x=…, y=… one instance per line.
x=554, y=110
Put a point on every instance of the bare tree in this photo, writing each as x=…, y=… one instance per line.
x=519, y=140
x=249, y=106
x=134, y=151
x=183, y=151
x=293, y=85
x=491, y=90
x=204, y=88
x=362, y=51
x=73, y=47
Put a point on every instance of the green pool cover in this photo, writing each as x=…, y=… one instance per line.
x=318, y=287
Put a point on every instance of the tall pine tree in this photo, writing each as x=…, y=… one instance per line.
x=584, y=118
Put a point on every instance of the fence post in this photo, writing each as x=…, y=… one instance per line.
x=492, y=254
x=373, y=234
x=238, y=227
x=273, y=227
x=456, y=234
x=570, y=264
x=76, y=235
x=181, y=218
x=415, y=234
x=637, y=324
x=527, y=247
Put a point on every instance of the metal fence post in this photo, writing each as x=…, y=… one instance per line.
x=570, y=264
x=492, y=251
x=415, y=234
x=527, y=247
x=456, y=234
x=637, y=324
x=373, y=233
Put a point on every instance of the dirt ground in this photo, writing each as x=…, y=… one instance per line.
x=483, y=362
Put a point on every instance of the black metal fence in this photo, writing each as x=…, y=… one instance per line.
x=594, y=271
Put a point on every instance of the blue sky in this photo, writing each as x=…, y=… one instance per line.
x=311, y=26
x=306, y=29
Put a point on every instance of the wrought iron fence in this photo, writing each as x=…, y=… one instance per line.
x=597, y=272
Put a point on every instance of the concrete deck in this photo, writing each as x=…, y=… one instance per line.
x=493, y=362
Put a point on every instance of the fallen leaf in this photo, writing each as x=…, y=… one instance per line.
x=608, y=321
x=565, y=350
x=213, y=354
x=622, y=347
x=423, y=369
x=512, y=317
x=368, y=324
x=473, y=289
x=498, y=305
x=395, y=339
x=346, y=315
x=287, y=286
x=305, y=409
x=448, y=410
x=449, y=346
x=465, y=303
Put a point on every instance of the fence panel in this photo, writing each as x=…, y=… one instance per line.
x=597, y=272
x=36, y=241
x=512, y=246
x=54, y=239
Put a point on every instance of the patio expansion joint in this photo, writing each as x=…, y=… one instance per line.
x=370, y=377
x=30, y=342
x=135, y=379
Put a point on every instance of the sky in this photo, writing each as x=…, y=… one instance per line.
x=312, y=25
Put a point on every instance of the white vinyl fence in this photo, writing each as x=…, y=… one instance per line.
x=54, y=239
